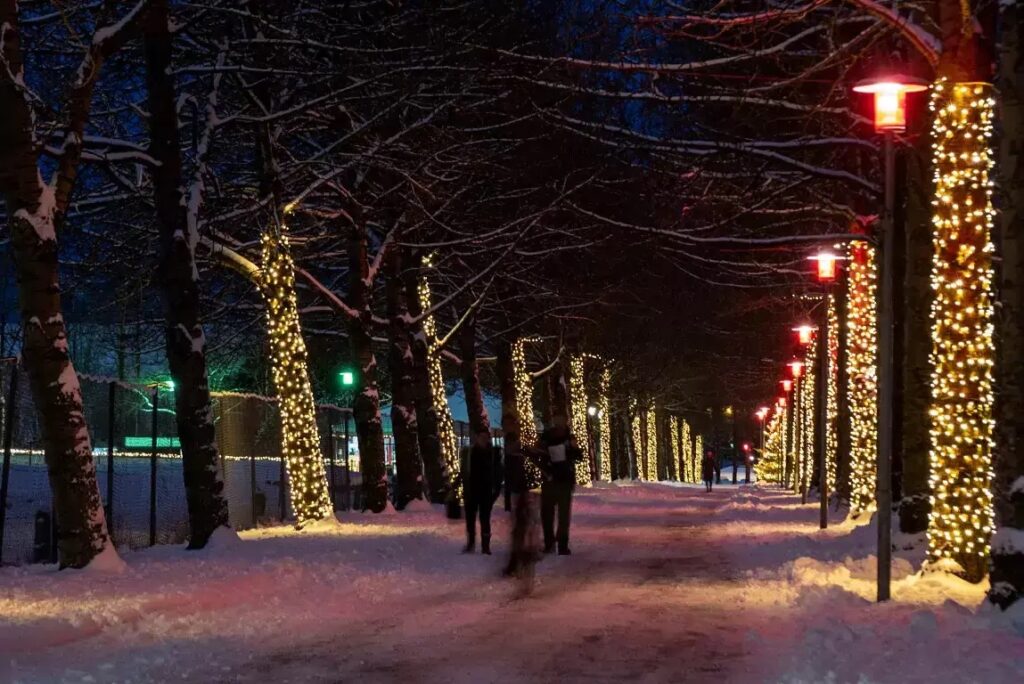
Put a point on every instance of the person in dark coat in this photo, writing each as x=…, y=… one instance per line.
x=560, y=454
x=708, y=470
x=481, y=483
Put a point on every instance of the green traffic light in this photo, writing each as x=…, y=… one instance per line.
x=348, y=378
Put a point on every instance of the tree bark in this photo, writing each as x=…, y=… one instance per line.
x=470, y=370
x=1007, y=565
x=427, y=420
x=366, y=403
x=408, y=472
x=177, y=275
x=842, y=484
x=31, y=210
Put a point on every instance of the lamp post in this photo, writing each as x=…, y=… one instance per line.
x=826, y=272
x=890, y=95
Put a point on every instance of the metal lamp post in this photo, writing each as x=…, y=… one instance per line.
x=890, y=95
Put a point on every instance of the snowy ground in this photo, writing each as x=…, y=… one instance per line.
x=666, y=584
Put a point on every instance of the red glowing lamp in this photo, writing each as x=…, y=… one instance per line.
x=805, y=332
x=891, y=99
x=762, y=412
x=796, y=368
x=787, y=385
x=782, y=400
x=826, y=266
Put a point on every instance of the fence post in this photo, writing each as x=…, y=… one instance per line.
x=348, y=473
x=111, y=437
x=5, y=474
x=280, y=488
x=152, y=470
x=252, y=482
x=333, y=454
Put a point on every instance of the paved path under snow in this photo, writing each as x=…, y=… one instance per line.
x=643, y=598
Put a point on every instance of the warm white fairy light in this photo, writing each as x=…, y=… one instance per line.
x=524, y=394
x=604, y=420
x=307, y=478
x=832, y=408
x=636, y=435
x=808, y=416
x=862, y=375
x=698, y=451
x=673, y=450
x=438, y=395
x=769, y=465
x=578, y=405
x=651, y=446
x=962, y=355
x=688, y=461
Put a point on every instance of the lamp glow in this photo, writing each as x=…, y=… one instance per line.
x=891, y=100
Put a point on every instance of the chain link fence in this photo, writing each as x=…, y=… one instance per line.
x=139, y=467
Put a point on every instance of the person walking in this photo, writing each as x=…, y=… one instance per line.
x=708, y=470
x=481, y=483
x=560, y=454
x=525, y=548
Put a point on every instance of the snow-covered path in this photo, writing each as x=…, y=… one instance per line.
x=666, y=584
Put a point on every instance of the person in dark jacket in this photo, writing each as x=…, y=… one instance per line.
x=481, y=482
x=708, y=470
x=560, y=454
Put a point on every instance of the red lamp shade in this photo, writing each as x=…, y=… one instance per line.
x=796, y=368
x=805, y=333
x=891, y=99
x=787, y=385
x=826, y=266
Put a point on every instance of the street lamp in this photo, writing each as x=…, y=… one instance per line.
x=796, y=368
x=890, y=95
x=805, y=332
x=787, y=385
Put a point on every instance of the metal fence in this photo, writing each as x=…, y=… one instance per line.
x=139, y=466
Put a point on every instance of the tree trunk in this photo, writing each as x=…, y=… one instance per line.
x=366, y=403
x=427, y=418
x=178, y=277
x=470, y=370
x=842, y=484
x=510, y=418
x=917, y=344
x=408, y=472
x=1007, y=569
x=30, y=207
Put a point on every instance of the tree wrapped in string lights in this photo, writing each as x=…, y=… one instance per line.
x=604, y=424
x=832, y=407
x=687, y=439
x=651, y=444
x=637, y=439
x=962, y=357
x=307, y=479
x=439, y=397
x=578, y=405
x=862, y=376
x=524, y=394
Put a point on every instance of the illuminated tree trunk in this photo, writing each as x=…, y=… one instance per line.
x=577, y=401
x=842, y=481
x=961, y=522
x=428, y=419
x=914, y=504
x=179, y=285
x=366, y=403
x=408, y=472
x=862, y=383
x=31, y=211
x=307, y=478
x=470, y=369
x=1007, y=570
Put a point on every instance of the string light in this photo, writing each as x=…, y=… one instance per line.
x=438, y=395
x=307, y=477
x=862, y=376
x=637, y=435
x=769, y=465
x=832, y=408
x=688, y=461
x=578, y=404
x=962, y=312
x=673, y=450
x=808, y=416
x=604, y=420
x=524, y=406
x=698, y=451
x=651, y=447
